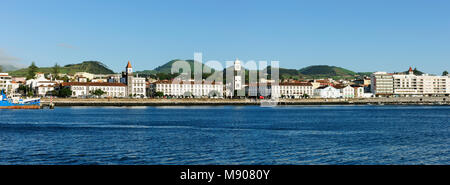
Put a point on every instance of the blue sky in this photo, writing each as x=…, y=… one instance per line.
x=361, y=35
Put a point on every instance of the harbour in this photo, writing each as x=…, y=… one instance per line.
x=316, y=134
x=47, y=102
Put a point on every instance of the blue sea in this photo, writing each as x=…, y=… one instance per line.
x=297, y=135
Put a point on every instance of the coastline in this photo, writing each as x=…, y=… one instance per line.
x=212, y=102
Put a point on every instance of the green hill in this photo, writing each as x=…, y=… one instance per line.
x=163, y=72
x=325, y=70
x=166, y=68
x=93, y=67
x=285, y=73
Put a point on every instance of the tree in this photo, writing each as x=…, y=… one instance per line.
x=445, y=73
x=98, y=92
x=32, y=69
x=1, y=69
x=66, y=79
x=159, y=94
x=55, y=70
x=24, y=89
x=64, y=92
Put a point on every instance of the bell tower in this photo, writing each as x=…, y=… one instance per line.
x=129, y=69
x=129, y=77
x=237, y=75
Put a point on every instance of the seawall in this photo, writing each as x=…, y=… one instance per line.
x=187, y=102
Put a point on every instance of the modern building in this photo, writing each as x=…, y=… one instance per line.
x=382, y=84
x=84, y=89
x=409, y=84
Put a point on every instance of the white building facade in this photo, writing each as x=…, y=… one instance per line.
x=6, y=83
x=135, y=86
x=347, y=91
x=81, y=89
x=190, y=88
x=292, y=90
x=410, y=84
x=327, y=92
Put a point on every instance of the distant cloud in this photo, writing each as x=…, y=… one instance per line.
x=6, y=59
x=68, y=46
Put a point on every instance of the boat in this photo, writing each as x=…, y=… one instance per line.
x=19, y=103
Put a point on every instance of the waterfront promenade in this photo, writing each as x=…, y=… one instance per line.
x=193, y=101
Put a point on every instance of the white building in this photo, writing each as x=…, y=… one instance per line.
x=359, y=91
x=410, y=84
x=237, y=85
x=346, y=91
x=135, y=86
x=293, y=90
x=41, y=85
x=87, y=75
x=190, y=88
x=83, y=89
x=327, y=92
x=382, y=84
x=6, y=82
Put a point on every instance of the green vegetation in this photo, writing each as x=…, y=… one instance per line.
x=55, y=70
x=324, y=70
x=93, y=67
x=32, y=69
x=445, y=73
x=164, y=72
x=159, y=94
x=25, y=90
x=64, y=93
x=98, y=92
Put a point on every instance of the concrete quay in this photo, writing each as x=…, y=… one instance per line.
x=188, y=102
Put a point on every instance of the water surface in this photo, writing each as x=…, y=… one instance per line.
x=227, y=135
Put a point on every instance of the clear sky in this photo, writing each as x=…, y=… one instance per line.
x=361, y=35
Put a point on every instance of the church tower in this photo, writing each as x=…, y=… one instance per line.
x=129, y=78
x=237, y=75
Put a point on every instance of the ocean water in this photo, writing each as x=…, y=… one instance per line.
x=227, y=135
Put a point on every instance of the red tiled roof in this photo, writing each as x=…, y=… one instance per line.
x=129, y=65
x=91, y=84
x=181, y=82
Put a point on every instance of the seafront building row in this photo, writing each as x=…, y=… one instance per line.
x=390, y=84
x=128, y=84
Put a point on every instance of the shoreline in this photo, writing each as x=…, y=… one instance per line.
x=445, y=101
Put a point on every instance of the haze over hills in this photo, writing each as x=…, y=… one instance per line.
x=166, y=68
x=8, y=67
x=93, y=67
x=164, y=71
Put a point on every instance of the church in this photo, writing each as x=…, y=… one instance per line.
x=135, y=85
